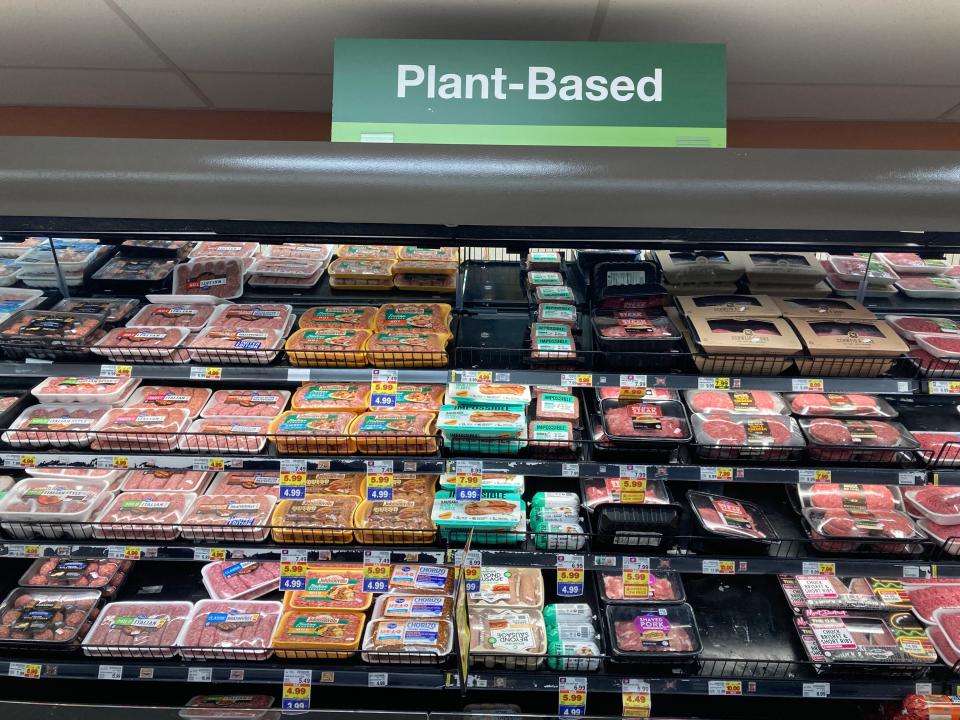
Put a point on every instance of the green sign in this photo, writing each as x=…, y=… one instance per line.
x=529, y=93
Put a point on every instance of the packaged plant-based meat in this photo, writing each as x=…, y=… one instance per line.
x=58, y=426
x=662, y=587
x=422, y=317
x=313, y=635
x=839, y=405
x=94, y=390
x=749, y=402
x=343, y=397
x=315, y=432
x=552, y=406
x=240, y=579
x=939, y=503
x=556, y=330
x=234, y=630
x=116, y=310
x=225, y=249
x=242, y=434
x=246, y=482
x=272, y=317
x=388, y=433
x=553, y=348
x=543, y=260
x=191, y=399
x=246, y=403
x=330, y=587
x=315, y=519
x=913, y=264
x=909, y=326
x=658, y=633
x=46, y=617
x=554, y=294
x=139, y=429
x=137, y=629
x=421, y=579
x=244, y=518
x=938, y=449
x=497, y=429
x=512, y=639
x=538, y=278
x=850, y=496
x=344, y=317
x=495, y=512
x=227, y=707
x=855, y=440
x=52, y=508
x=487, y=394
x=367, y=252
x=407, y=349
x=143, y=515
x=842, y=530
x=413, y=607
x=328, y=347
x=103, y=575
x=765, y=437
x=509, y=587
x=852, y=636
x=563, y=313
x=235, y=346
x=491, y=481
x=210, y=276
x=192, y=316
x=167, y=480
x=728, y=517
x=550, y=435
x=407, y=641
x=437, y=256
x=940, y=346
x=393, y=521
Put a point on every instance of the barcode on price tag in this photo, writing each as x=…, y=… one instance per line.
x=816, y=690
x=573, y=696
x=569, y=575
x=110, y=672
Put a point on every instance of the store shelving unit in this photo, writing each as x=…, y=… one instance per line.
x=611, y=198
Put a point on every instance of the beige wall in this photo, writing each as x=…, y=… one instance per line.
x=257, y=125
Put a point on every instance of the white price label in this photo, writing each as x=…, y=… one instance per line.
x=719, y=567
x=945, y=387
x=573, y=696
x=110, y=672
x=633, y=381
x=378, y=679
x=570, y=575
x=636, y=563
x=199, y=674
x=576, y=379
x=806, y=385
x=724, y=687
x=605, y=561
x=633, y=471
x=911, y=571
x=297, y=677
x=206, y=373
x=816, y=690
x=293, y=555
x=924, y=688
x=298, y=375
x=910, y=478
x=570, y=470
x=293, y=466
x=819, y=568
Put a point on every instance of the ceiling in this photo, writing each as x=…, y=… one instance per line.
x=813, y=59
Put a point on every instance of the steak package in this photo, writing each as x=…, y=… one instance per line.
x=235, y=629
x=728, y=517
x=137, y=629
x=771, y=337
x=839, y=405
x=822, y=308
x=800, y=269
x=820, y=592
x=849, y=440
x=227, y=707
x=653, y=633
x=645, y=423
x=853, y=269
x=847, y=347
x=904, y=263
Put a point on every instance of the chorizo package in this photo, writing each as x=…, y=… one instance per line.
x=407, y=641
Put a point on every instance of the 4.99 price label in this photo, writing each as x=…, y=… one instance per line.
x=573, y=697
x=569, y=575
x=296, y=691
x=376, y=570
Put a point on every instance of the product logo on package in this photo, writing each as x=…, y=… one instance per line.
x=529, y=93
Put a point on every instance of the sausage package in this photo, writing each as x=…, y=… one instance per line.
x=420, y=579
x=103, y=575
x=393, y=521
x=240, y=579
x=311, y=634
x=502, y=587
x=140, y=429
x=338, y=317
x=191, y=399
x=234, y=630
x=389, y=433
x=52, y=508
x=46, y=618
x=316, y=519
x=508, y=638
x=191, y=316
x=407, y=641
x=143, y=515
x=243, y=518
x=407, y=349
x=210, y=276
x=167, y=480
x=246, y=403
x=58, y=426
x=351, y=397
x=226, y=435
x=235, y=345
x=137, y=629
x=314, y=432
x=429, y=317
x=94, y=390
x=330, y=587
x=328, y=347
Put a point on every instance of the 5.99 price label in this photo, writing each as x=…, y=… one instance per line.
x=376, y=570
x=569, y=575
x=573, y=697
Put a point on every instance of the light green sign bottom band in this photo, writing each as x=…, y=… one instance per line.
x=529, y=135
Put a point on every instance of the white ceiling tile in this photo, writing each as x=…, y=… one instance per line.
x=70, y=33
x=95, y=88
x=241, y=91
x=297, y=35
x=813, y=41
x=839, y=102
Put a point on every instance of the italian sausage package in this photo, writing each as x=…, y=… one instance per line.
x=137, y=629
x=240, y=579
x=309, y=635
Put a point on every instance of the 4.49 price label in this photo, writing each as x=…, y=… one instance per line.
x=573, y=696
x=376, y=571
x=569, y=575
x=296, y=690
x=636, y=698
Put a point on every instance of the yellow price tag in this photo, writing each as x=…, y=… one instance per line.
x=584, y=380
x=953, y=387
x=131, y=553
x=293, y=569
x=733, y=687
x=28, y=461
x=815, y=385
x=293, y=478
x=383, y=388
x=573, y=698
x=721, y=383
x=380, y=480
x=218, y=554
x=471, y=573
x=636, y=584
x=822, y=476
x=376, y=572
x=121, y=462
x=636, y=704
x=213, y=373
x=31, y=550
x=828, y=568
x=727, y=567
x=471, y=480
x=632, y=393
x=633, y=490
x=296, y=692
x=569, y=575
x=32, y=671
x=725, y=473
x=216, y=464
x=123, y=370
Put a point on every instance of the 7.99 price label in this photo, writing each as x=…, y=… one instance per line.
x=468, y=481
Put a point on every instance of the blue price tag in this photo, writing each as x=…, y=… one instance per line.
x=374, y=585
x=570, y=589
x=379, y=493
x=288, y=492
x=292, y=583
x=291, y=705
x=383, y=401
x=463, y=494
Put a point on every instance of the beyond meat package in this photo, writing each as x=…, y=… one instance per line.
x=847, y=636
x=819, y=592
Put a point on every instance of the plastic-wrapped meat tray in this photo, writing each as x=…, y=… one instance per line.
x=249, y=482
x=144, y=344
x=331, y=587
x=234, y=630
x=144, y=247
x=47, y=618
x=137, y=629
x=730, y=524
x=192, y=316
x=246, y=403
x=338, y=317
x=243, y=518
x=739, y=402
x=240, y=579
x=218, y=277
x=103, y=575
x=134, y=274
x=654, y=426
x=942, y=347
x=515, y=639
x=58, y=426
x=111, y=477
x=253, y=317
x=912, y=264
x=933, y=367
x=313, y=432
x=839, y=405
x=94, y=390
x=116, y=311
x=408, y=641
x=862, y=531
x=939, y=503
x=828, y=592
x=650, y=525
x=328, y=347
x=167, y=480
x=387, y=433
x=925, y=600
x=849, y=496
x=330, y=635
x=150, y=397
x=52, y=508
x=849, y=440
x=909, y=326
x=143, y=515
x=946, y=536
x=49, y=335
x=664, y=634
x=14, y=299
x=225, y=249
x=317, y=251
x=226, y=435
x=398, y=521
x=852, y=269
x=754, y=437
x=235, y=346
x=316, y=519
x=924, y=287
x=140, y=429
x=665, y=587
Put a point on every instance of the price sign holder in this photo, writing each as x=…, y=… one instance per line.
x=573, y=697
x=383, y=389
x=293, y=575
x=633, y=387
x=636, y=578
x=471, y=570
x=380, y=480
x=293, y=485
x=376, y=570
x=570, y=575
x=468, y=480
x=636, y=698
x=296, y=691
